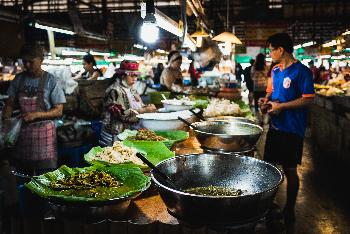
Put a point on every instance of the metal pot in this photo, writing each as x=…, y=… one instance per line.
x=259, y=181
x=227, y=136
x=231, y=119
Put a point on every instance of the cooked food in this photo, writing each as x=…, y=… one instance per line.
x=119, y=153
x=214, y=191
x=90, y=184
x=219, y=107
x=86, y=180
x=144, y=134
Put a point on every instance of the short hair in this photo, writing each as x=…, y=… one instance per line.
x=89, y=59
x=260, y=62
x=281, y=40
x=32, y=51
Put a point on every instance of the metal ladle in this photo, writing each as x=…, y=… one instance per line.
x=157, y=171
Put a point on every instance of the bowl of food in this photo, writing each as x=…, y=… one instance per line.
x=177, y=104
x=214, y=189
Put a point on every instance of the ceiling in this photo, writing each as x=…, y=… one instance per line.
x=252, y=20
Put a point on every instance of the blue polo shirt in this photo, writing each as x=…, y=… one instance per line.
x=287, y=85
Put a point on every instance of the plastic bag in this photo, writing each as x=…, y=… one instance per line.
x=11, y=133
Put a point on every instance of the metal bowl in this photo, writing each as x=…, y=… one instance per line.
x=259, y=180
x=230, y=119
x=227, y=136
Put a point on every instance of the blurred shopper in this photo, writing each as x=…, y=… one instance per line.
x=122, y=103
x=91, y=71
x=249, y=82
x=195, y=75
x=40, y=98
x=171, y=78
x=259, y=77
x=290, y=92
x=238, y=73
x=314, y=70
x=158, y=72
x=324, y=75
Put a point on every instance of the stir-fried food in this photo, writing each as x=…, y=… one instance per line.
x=118, y=153
x=86, y=180
x=147, y=135
x=214, y=191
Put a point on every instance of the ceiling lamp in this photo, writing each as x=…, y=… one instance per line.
x=199, y=34
x=227, y=37
x=149, y=31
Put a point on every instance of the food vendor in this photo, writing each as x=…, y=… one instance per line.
x=91, y=72
x=171, y=78
x=122, y=103
x=40, y=98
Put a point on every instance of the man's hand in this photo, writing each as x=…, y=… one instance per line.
x=30, y=116
x=263, y=101
x=275, y=109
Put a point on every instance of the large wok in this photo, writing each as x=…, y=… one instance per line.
x=227, y=136
x=259, y=180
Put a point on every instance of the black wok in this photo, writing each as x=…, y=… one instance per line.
x=258, y=179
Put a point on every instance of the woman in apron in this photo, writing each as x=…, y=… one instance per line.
x=122, y=103
x=40, y=99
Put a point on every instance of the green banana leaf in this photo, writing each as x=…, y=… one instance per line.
x=133, y=179
x=154, y=151
x=172, y=136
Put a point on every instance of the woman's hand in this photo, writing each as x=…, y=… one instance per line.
x=150, y=108
x=30, y=116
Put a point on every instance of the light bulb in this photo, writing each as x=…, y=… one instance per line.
x=149, y=32
x=199, y=41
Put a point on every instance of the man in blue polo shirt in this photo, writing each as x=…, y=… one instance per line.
x=289, y=94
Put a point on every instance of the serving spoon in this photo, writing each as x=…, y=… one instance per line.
x=157, y=171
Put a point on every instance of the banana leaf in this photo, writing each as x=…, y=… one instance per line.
x=154, y=151
x=172, y=136
x=132, y=178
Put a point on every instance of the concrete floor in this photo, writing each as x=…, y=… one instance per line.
x=323, y=204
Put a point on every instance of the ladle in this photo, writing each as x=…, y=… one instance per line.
x=187, y=123
x=157, y=171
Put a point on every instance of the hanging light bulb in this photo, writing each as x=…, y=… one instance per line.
x=149, y=31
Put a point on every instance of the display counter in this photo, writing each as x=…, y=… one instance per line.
x=330, y=127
